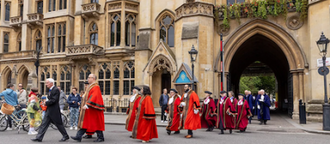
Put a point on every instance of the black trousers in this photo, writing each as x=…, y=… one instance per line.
x=190, y=132
x=163, y=117
x=44, y=126
x=81, y=132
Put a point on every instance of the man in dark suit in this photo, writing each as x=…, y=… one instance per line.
x=53, y=114
x=163, y=100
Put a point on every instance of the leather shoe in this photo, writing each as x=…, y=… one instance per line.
x=99, y=140
x=188, y=136
x=36, y=140
x=177, y=132
x=87, y=136
x=76, y=138
x=64, y=139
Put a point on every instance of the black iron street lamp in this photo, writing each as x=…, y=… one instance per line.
x=322, y=44
x=37, y=64
x=193, y=55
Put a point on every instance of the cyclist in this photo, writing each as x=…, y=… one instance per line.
x=10, y=97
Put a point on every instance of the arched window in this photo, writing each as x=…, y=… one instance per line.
x=115, y=30
x=94, y=1
x=93, y=34
x=51, y=5
x=116, y=78
x=21, y=7
x=7, y=12
x=38, y=40
x=44, y=74
x=130, y=29
x=166, y=31
x=6, y=43
x=65, y=81
x=104, y=78
x=84, y=72
x=19, y=42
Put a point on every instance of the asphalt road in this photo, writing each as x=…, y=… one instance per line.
x=116, y=134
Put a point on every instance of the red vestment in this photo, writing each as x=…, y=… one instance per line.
x=132, y=113
x=243, y=113
x=190, y=120
x=223, y=116
x=208, y=119
x=92, y=119
x=174, y=115
x=145, y=124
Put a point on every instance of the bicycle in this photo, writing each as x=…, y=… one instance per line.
x=19, y=118
x=64, y=121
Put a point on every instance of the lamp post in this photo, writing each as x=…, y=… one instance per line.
x=322, y=44
x=193, y=55
x=37, y=64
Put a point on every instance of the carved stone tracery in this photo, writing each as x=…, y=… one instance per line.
x=294, y=22
x=194, y=8
x=160, y=62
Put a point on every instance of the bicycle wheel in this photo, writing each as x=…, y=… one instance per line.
x=26, y=124
x=64, y=120
x=3, y=123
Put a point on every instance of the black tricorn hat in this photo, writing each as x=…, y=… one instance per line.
x=208, y=92
x=174, y=90
x=222, y=92
x=137, y=88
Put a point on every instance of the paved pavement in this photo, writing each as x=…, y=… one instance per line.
x=116, y=134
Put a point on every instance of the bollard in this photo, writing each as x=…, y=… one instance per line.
x=302, y=112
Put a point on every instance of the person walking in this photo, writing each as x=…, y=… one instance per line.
x=190, y=119
x=173, y=112
x=22, y=96
x=74, y=103
x=243, y=113
x=208, y=118
x=53, y=114
x=163, y=100
x=145, y=127
x=33, y=110
x=10, y=97
x=63, y=99
x=133, y=105
x=91, y=117
x=263, y=112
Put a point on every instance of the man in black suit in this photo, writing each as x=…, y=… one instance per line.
x=53, y=114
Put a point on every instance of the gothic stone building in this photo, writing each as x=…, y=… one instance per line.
x=135, y=42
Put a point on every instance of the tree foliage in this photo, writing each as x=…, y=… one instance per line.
x=255, y=83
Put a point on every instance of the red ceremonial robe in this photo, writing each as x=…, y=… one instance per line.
x=243, y=111
x=92, y=119
x=174, y=115
x=222, y=111
x=208, y=109
x=132, y=113
x=190, y=120
x=145, y=124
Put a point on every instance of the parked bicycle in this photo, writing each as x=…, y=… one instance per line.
x=19, y=118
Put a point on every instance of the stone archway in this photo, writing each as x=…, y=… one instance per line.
x=281, y=39
x=25, y=77
x=6, y=76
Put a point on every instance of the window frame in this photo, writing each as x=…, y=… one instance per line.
x=167, y=28
x=6, y=49
x=130, y=36
x=105, y=66
x=38, y=38
x=50, y=32
x=130, y=79
x=93, y=32
x=115, y=35
x=7, y=11
x=65, y=69
x=61, y=37
x=19, y=41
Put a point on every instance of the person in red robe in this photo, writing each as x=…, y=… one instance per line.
x=233, y=101
x=190, y=119
x=145, y=127
x=225, y=114
x=133, y=105
x=91, y=117
x=173, y=112
x=208, y=118
x=243, y=113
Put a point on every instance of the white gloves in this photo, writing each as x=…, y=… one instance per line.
x=253, y=107
x=165, y=114
x=261, y=100
x=196, y=111
x=183, y=104
x=258, y=106
x=180, y=115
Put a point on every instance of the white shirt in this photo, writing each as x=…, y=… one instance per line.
x=262, y=97
x=170, y=101
x=132, y=98
x=240, y=102
x=207, y=100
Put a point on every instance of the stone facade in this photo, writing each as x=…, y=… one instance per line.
x=145, y=42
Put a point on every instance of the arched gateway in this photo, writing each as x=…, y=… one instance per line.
x=261, y=40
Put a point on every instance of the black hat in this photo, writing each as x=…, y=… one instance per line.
x=174, y=90
x=222, y=92
x=240, y=95
x=137, y=88
x=86, y=82
x=208, y=92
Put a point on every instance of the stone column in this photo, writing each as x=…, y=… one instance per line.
x=122, y=32
x=295, y=114
x=26, y=32
x=3, y=10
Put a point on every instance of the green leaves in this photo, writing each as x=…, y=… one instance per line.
x=255, y=83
